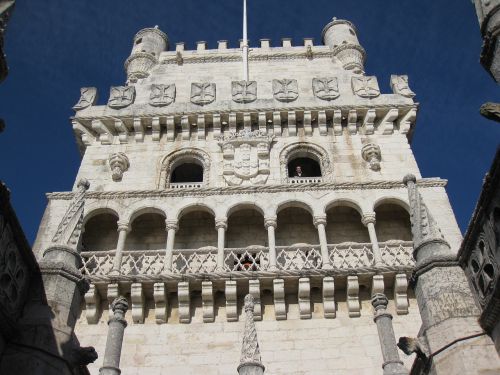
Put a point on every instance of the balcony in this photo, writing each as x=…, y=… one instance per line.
x=346, y=258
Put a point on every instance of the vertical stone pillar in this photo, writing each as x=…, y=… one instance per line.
x=250, y=361
x=123, y=229
x=271, y=223
x=392, y=364
x=117, y=325
x=368, y=221
x=221, y=226
x=320, y=223
x=172, y=227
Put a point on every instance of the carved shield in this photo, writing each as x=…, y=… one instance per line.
x=88, y=97
x=121, y=96
x=399, y=85
x=285, y=90
x=244, y=91
x=202, y=93
x=326, y=88
x=365, y=86
x=246, y=162
x=162, y=95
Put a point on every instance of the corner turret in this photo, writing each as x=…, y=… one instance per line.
x=148, y=44
x=341, y=37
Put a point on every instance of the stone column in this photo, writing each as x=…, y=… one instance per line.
x=172, y=227
x=117, y=325
x=221, y=226
x=250, y=361
x=392, y=364
x=271, y=223
x=123, y=229
x=320, y=223
x=368, y=221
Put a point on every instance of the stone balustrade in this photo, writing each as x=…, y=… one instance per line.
x=345, y=257
x=305, y=180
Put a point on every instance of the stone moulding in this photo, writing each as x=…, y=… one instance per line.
x=424, y=183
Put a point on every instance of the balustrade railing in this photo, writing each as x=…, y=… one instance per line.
x=344, y=256
x=304, y=180
x=185, y=185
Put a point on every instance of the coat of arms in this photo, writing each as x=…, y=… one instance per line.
x=162, y=95
x=121, y=96
x=246, y=157
x=326, y=88
x=399, y=85
x=285, y=90
x=244, y=91
x=88, y=97
x=202, y=93
x=365, y=86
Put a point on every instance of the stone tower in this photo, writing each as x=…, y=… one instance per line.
x=205, y=187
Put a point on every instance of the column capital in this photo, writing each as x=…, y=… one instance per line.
x=171, y=225
x=368, y=218
x=221, y=223
x=123, y=226
x=271, y=221
x=319, y=220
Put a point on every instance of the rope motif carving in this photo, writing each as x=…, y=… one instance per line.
x=250, y=352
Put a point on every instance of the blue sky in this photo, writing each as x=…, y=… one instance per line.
x=55, y=47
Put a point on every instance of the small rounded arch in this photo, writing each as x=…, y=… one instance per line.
x=91, y=212
x=192, y=207
x=146, y=210
x=391, y=200
x=244, y=206
x=392, y=220
x=344, y=202
x=174, y=159
x=293, y=203
x=302, y=150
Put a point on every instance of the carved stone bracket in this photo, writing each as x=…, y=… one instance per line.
x=231, y=301
x=371, y=153
x=326, y=88
x=305, y=298
x=207, y=297
x=138, y=300
x=184, y=302
x=285, y=90
x=162, y=95
x=88, y=98
x=353, y=297
x=119, y=164
x=161, y=302
x=329, y=297
x=254, y=290
x=279, y=299
x=121, y=96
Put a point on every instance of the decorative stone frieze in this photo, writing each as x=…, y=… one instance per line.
x=285, y=90
x=246, y=157
x=372, y=155
x=162, y=95
x=400, y=86
x=88, y=97
x=161, y=302
x=365, y=86
x=202, y=93
x=244, y=91
x=121, y=96
x=119, y=164
x=326, y=88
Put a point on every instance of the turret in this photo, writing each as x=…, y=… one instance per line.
x=148, y=44
x=340, y=36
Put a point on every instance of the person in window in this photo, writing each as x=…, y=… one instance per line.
x=298, y=172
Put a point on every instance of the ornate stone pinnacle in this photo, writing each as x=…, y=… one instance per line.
x=250, y=361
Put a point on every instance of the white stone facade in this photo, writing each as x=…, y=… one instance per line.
x=307, y=248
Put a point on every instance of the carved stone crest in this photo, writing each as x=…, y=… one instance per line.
x=365, y=86
x=246, y=157
x=88, y=97
x=202, y=93
x=326, y=88
x=399, y=85
x=162, y=95
x=285, y=90
x=244, y=91
x=121, y=96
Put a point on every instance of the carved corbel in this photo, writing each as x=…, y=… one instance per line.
x=401, y=294
x=277, y=123
x=352, y=119
x=207, y=297
x=87, y=136
x=122, y=130
x=185, y=128
x=170, y=128
x=386, y=125
x=378, y=285
x=139, y=130
x=119, y=164
x=254, y=290
x=161, y=302
x=323, y=130
x=137, y=297
x=105, y=131
x=201, y=127
x=232, y=122
x=262, y=122
x=404, y=122
x=307, y=123
x=353, y=297
x=292, y=124
x=184, y=302
x=371, y=154
x=92, y=305
x=337, y=122
x=112, y=294
x=329, y=298
x=231, y=301
x=216, y=124
x=305, y=298
x=279, y=299
x=369, y=121
x=155, y=129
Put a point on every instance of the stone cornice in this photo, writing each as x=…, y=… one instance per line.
x=423, y=183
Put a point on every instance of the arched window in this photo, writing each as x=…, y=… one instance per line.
x=303, y=167
x=187, y=172
x=101, y=233
x=303, y=162
x=186, y=168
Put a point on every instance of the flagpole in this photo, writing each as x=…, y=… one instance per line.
x=245, y=42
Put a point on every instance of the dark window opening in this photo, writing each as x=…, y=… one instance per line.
x=304, y=167
x=187, y=172
x=138, y=41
